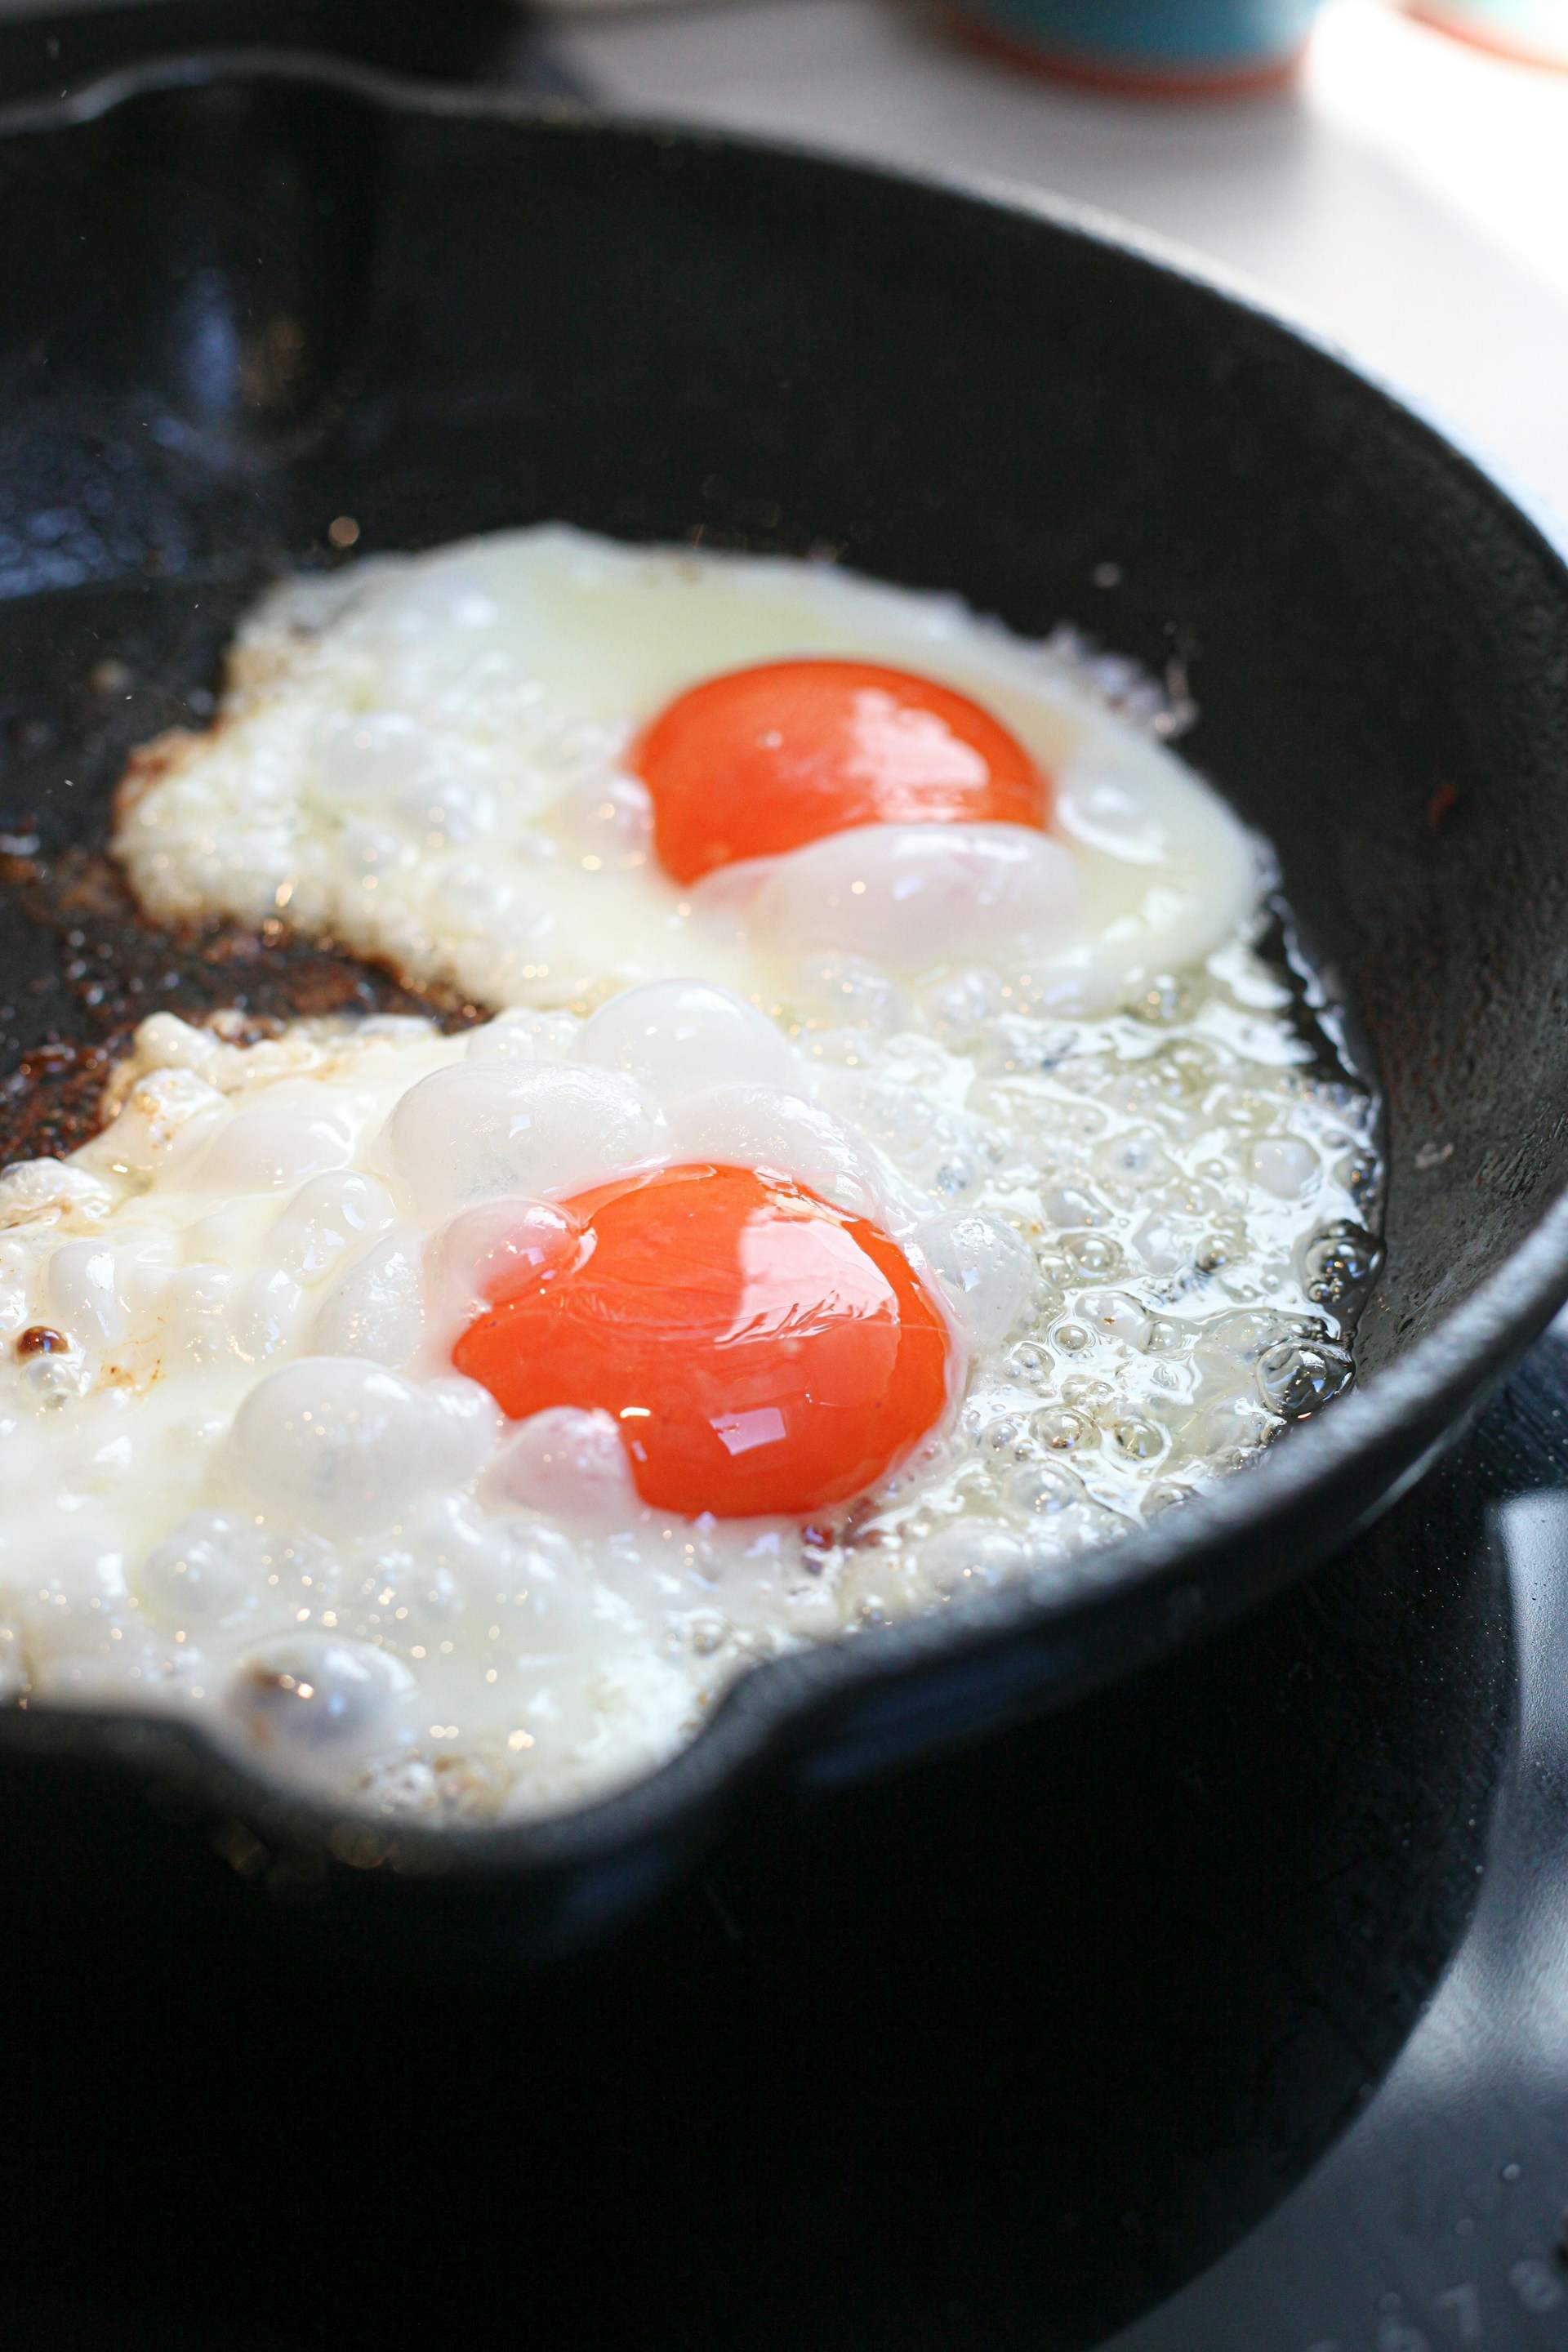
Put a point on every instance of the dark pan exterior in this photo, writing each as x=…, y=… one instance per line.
x=236, y=305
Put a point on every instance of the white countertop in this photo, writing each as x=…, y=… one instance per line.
x=1410, y=198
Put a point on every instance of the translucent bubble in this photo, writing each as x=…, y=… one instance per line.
x=1074, y=1204
x=1339, y=1263
x=677, y=1036
x=1041, y=1491
x=908, y=897
x=1242, y=1337
x=208, y=1572
x=1294, y=1377
x=985, y=1269
x=1073, y=1337
x=407, y=1602
x=272, y=1149
x=955, y=1178
x=84, y=1291
x=1283, y=1165
x=569, y=1465
x=1118, y=1314
x=1094, y=1254
x=1163, y=1242
x=1232, y=1428
x=898, y=1120
x=848, y=990
x=1013, y=1440
x=1012, y=1047
x=609, y=818
x=490, y=1250
x=1164, y=1001
x=1136, y=1440
x=377, y=1309
x=438, y=785
x=344, y=1446
x=1062, y=1429
x=327, y=1215
x=759, y=1127
x=963, y=1001
x=310, y=1697
x=971, y=1556
x=1136, y=1161
x=479, y=1131
x=1164, y=1495
x=55, y=1383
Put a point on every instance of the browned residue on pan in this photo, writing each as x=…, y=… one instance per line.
x=114, y=968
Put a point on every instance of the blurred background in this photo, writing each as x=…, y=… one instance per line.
x=1405, y=191
x=1394, y=170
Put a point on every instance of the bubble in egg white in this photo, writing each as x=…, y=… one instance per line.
x=525, y=1036
x=447, y=592
x=477, y=1131
x=537, y=1589
x=759, y=1127
x=437, y=783
x=84, y=1292
x=327, y=1215
x=908, y=897
x=1118, y=1314
x=266, y=1317
x=972, y=1556
x=197, y=1305
x=673, y=1035
x=82, y=1576
x=270, y=1150
x=568, y=1464
x=309, y=1694
x=846, y=990
x=164, y=1122
x=342, y=1446
x=1283, y=1165
x=490, y=1248
x=465, y=1426
x=986, y=1271
x=472, y=899
x=32, y=1187
x=207, y=1573
x=376, y=1308
x=101, y=1663
x=609, y=818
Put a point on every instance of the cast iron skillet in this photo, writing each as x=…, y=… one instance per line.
x=236, y=304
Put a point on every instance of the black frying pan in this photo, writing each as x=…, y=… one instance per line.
x=233, y=307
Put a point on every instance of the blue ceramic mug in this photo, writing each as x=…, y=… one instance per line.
x=1175, y=46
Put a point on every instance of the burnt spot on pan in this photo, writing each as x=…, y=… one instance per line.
x=104, y=968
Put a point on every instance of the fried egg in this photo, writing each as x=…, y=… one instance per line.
x=495, y=766
x=891, y=1170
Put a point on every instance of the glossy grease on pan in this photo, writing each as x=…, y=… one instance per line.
x=1132, y=1186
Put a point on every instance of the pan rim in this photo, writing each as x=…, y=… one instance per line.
x=769, y=1712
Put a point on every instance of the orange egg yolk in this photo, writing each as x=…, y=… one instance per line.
x=759, y=1350
x=762, y=760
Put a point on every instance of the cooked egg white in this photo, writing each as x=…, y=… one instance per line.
x=426, y=758
x=245, y=1481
